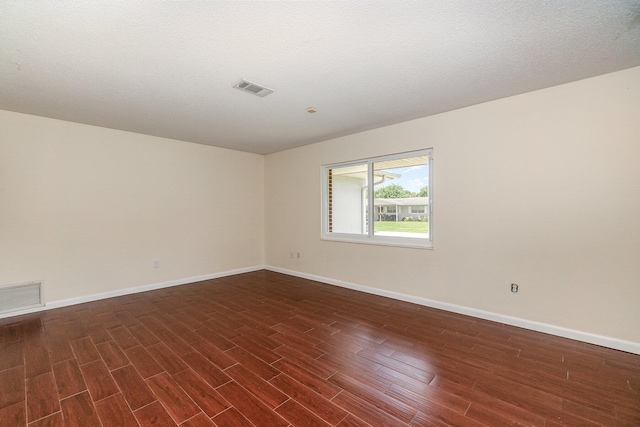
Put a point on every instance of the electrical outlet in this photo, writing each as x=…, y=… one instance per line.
x=514, y=288
x=156, y=264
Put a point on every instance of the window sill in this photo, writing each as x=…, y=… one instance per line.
x=381, y=241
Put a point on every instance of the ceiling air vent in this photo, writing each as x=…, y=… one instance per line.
x=252, y=88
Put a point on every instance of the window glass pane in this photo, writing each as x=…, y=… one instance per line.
x=383, y=200
x=347, y=196
x=401, y=199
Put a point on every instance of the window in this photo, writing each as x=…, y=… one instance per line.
x=384, y=200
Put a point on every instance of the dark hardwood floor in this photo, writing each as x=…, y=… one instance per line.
x=266, y=349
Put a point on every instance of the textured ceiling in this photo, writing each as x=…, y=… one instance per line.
x=167, y=68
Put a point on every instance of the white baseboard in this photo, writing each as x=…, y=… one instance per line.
x=628, y=346
x=617, y=344
x=127, y=291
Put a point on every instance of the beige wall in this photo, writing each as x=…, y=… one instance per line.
x=541, y=189
x=89, y=209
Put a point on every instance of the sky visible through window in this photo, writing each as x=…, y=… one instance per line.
x=413, y=178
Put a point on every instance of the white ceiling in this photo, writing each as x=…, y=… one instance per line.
x=167, y=68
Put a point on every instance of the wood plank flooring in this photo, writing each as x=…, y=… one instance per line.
x=266, y=349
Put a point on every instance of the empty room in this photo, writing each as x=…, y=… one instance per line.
x=319, y=213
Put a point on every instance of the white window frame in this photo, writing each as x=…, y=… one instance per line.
x=370, y=237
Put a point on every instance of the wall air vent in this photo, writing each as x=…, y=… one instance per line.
x=21, y=297
x=252, y=88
